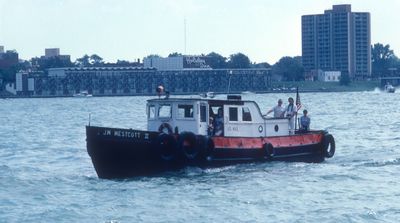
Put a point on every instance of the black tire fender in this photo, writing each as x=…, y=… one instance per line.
x=269, y=150
x=166, y=147
x=187, y=144
x=328, y=145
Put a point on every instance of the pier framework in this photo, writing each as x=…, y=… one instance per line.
x=114, y=81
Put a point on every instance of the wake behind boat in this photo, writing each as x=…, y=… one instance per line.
x=201, y=132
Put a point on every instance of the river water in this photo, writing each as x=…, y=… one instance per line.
x=46, y=174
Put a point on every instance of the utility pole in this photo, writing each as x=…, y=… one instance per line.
x=184, y=34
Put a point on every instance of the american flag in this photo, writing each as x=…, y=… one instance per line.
x=298, y=102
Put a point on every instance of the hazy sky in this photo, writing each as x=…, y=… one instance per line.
x=129, y=29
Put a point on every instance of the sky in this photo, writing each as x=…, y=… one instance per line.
x=263, y=30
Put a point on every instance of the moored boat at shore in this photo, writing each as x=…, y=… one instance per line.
x=82, y=94
x=389, y=88
x=201, y=132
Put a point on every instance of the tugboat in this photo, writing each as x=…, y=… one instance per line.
x=181, y=132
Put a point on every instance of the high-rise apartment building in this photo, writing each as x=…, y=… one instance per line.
x=338, y=40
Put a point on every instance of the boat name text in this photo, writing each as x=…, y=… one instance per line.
x=125, y=134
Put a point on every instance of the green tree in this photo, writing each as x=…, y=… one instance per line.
x=8, y=75
x=123, y=63
x=176, y=54
x=96, y=60
x=83, y=61
x=382, y=59
x=153, y=56
x=215, y=60
x=289, y=68
x=239, y=61
x=52, y=62
x=261, y=65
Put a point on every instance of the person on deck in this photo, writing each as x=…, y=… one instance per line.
x=278, y=110
x=219, y=123
x=291, y=112
x=305, y=122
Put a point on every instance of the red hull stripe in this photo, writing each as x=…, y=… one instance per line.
x=258, y=142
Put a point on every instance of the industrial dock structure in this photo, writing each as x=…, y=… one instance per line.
x=120, y=81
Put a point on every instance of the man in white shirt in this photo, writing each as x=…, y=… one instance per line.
x=278, y=110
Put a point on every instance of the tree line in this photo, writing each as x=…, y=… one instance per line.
x=384, y=63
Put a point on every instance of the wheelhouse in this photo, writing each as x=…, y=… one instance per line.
x=240, y=118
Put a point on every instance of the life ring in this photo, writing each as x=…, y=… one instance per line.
x=269, y=150
x=165, y=128
x=329, y=146
x=166, y=147
x=187, y=143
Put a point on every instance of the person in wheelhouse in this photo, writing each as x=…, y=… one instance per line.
x=219, y=123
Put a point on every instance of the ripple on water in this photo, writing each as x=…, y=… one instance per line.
x=46, y=174
x=382, y=163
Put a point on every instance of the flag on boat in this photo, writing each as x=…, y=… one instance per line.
x=298, y=102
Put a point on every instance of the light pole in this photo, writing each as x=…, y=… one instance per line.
x=229, y=81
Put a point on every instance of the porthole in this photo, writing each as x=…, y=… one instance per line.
x=260, y=128
x=276, y=128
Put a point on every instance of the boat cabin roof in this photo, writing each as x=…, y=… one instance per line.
x=234, y=100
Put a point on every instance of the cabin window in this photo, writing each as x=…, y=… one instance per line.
x=152, y=112
x=164, y=111
x=246, y=115
x=233, y=114
x=185, y=111
x=203, y=113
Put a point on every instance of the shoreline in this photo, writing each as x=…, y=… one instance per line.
x=195, y=93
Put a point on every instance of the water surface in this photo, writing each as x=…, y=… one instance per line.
x=47, y=175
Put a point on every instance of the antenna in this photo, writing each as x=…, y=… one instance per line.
x=184, y=33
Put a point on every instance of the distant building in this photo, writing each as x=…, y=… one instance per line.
x=52, y=58
x=1, y=49
x=176, y=63
x=24, y=84
x=337, y=40
x=51, y=52
x=329, y=76
x=55, y=53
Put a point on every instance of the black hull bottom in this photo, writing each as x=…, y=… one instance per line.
x=130, y=153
